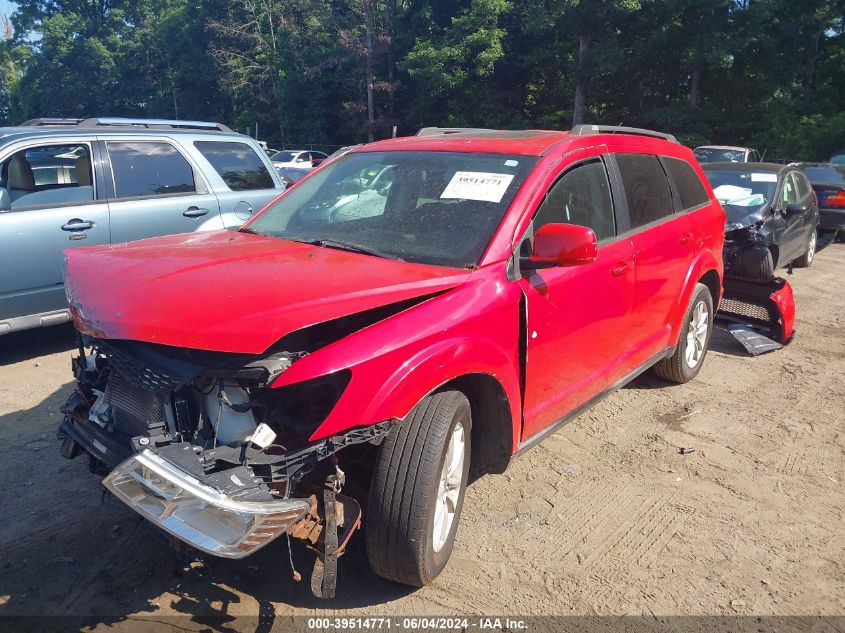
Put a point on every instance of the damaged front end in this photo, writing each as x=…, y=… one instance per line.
x=760, y=314
x=200, y=444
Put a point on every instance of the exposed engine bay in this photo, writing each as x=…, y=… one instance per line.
x=200, y=444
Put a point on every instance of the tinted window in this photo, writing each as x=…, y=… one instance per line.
x=826, y=175
x=646, y=187
x=802, y=184
x=238, y=165
x=581, y=196
x=789, y=192
x=689, y=187
x=146, y=168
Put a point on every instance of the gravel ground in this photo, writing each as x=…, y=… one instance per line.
x=603, y=518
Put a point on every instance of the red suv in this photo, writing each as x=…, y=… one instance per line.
x=413, y=311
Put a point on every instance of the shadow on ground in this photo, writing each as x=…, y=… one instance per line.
x=70, y=552
x=20, y=346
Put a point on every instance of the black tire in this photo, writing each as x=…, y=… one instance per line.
x=756, y=263
x=806, y=260
x=676, y=368
x=404, y=489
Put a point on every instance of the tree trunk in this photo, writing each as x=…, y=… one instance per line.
x=368, y=28
x=390, y=15
x=580, y=82
x=695, y=89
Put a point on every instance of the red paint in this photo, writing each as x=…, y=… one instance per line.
x=564, y=245
x=785, y=302
x=588, y=325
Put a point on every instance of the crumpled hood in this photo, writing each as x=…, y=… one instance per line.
x=231, y=292
x=743, y=217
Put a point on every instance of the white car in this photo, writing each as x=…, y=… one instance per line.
x=303, y=158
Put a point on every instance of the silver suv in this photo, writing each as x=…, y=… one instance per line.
x=79, y=182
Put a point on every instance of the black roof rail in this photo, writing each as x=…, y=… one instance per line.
x=174, y=124
x=585, y=130
x=45, y=121
x=443, y=131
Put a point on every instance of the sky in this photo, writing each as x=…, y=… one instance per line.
x=6, y=7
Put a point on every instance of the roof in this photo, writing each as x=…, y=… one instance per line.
x=731, y=147
x=20, y=133
x=765, y=167
x=524, y=142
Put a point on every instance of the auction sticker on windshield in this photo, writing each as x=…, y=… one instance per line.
x=763, y=177
x=477, y=185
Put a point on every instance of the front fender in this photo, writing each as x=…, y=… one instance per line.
x=472, y=329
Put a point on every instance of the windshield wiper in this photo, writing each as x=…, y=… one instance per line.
x=354, y=248
x=250, y=230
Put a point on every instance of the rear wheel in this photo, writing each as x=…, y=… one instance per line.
x=806, y=260
x=417, y=490
x=686, y=361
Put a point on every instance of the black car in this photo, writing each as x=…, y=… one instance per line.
x=773, y=216
x=828, y=182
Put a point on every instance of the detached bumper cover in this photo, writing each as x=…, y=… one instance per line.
x=196, y=513
x=766, y=307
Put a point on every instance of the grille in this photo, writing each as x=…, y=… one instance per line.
x=140, y=376
x=134, y=410
x=743, y=308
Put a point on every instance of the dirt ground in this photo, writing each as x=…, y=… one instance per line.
x=605, y=517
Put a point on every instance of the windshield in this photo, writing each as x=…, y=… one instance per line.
x=283, y=157
x=742, y=193
x=713, y=155
x=826, y=175
x=427, y=207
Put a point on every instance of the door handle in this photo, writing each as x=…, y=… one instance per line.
x=76, y=224
x=685, y=238
x=194, y=212
x=621, y=269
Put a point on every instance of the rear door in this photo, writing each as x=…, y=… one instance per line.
x=664, y=245
x=577, y=317
x=242, y=179
x=58, y=203
x=156, y=190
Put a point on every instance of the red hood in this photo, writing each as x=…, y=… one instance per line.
x=231, y=292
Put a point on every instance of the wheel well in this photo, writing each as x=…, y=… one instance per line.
x=714, y=285
x=773, y=249
x=492, y=427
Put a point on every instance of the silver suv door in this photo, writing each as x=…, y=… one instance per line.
x=156, y=190
x=54, y=206
x=242, y=178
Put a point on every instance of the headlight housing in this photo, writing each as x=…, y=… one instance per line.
x=197, y=514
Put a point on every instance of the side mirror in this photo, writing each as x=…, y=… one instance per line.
x=796, y=208
x=561, y=245
x=5, y=200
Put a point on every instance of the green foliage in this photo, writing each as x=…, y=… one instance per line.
x=766, y=72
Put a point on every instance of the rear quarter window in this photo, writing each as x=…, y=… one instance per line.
x=690, y=189
x=646, y=188
x=237, y=164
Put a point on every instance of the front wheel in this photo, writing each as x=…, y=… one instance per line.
x=417, y=490
x=806, y=260
x=686, y=361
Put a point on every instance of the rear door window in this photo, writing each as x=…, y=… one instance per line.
x=237, y=164
x=582, y=197
x=690, y=189
x=149, y=168
x=646, y=188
